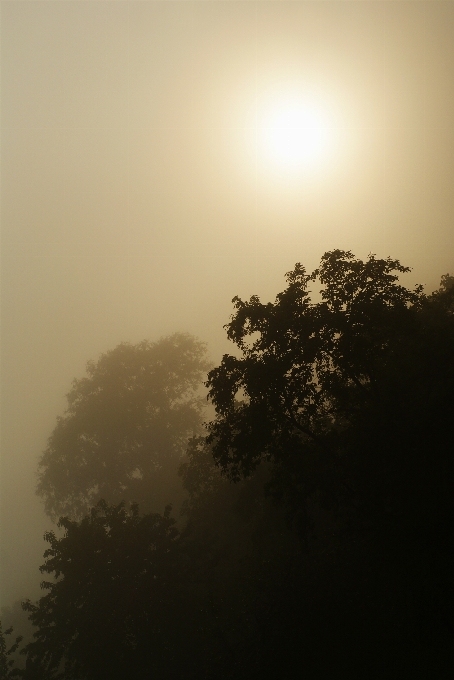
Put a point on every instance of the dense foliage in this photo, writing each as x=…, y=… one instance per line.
x=350, y=396
x=114, y=595
x=316, y=539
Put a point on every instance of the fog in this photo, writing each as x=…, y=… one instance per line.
x=137, y=200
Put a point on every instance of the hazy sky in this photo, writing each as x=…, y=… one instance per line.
x=145, y=181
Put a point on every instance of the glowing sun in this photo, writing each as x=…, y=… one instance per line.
x=294, y=134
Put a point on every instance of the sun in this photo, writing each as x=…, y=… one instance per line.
x=294, y=134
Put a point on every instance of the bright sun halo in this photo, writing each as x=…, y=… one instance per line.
x=294, y=135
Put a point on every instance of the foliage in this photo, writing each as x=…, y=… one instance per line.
x=306, y=359
x=133, y=597
x=113, y=596
x=125, y=428
x=14, y=617
x=444, y=296
x=348, y=401
x=7, y=665
x=342, y=396
x=335, y=425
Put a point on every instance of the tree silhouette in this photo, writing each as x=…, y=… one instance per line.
x=323, y=383
x=110, y=608
x=349, y=403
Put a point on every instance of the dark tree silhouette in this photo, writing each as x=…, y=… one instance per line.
x=349, y=401
x=110, y=609
x=347, y=386
x=126, y=427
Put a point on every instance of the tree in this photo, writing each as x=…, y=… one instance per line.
x=349, y=401
x=125, y=428
x=343, y=395
x=110, y=610
x=444, y=296
x=129, y=596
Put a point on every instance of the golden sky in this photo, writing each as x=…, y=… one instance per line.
x=145, y=179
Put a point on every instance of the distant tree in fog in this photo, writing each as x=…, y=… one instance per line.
x=445, y=294
x=126, y=428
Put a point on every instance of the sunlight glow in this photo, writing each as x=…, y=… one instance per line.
x=294, y=135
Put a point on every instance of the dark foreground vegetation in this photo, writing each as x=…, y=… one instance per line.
x=316, y=533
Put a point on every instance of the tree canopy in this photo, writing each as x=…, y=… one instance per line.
x=112, y=597
x=351, y=391
x=125, y=428
x=334, y=422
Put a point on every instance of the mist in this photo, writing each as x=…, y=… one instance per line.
x=137, y=199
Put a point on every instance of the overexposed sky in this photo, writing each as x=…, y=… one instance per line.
x=143, y=184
